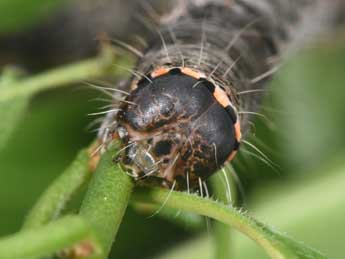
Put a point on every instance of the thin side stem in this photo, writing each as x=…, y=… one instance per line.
x=63, y=76
x=222, y=240
x=106, y=201
x=49, y=239
x=221, y=231
x=56, y=196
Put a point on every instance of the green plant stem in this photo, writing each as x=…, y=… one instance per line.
x=48, y=239
x=222, y=240
x=63, y=76
x=106, y=201
x=274, y=243
x=54, y=199
x=221, y=231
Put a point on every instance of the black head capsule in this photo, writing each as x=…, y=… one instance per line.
x=176, y=128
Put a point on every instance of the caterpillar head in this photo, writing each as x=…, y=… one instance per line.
x=177, y=126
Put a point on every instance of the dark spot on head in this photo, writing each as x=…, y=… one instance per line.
x=231, y=113
x=163, y=148
x=175, y=71
x=166, y=160
x=181, y=181
x=237, y=145
x=144, y=81
x=201, y=170
x=207, y=84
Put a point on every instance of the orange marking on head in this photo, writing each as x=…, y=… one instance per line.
x=238, y=133
x=159, y=72
x=232, y=155
x=190, y=72
x=221, y=97
x=238, y=137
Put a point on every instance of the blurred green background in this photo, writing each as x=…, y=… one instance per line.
x=305, y=136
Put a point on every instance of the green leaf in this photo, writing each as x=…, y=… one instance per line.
x=16, y=15
x=310, y=93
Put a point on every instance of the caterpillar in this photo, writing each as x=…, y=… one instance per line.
x=186, y=110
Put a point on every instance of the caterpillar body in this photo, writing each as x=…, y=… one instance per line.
x=197, y=84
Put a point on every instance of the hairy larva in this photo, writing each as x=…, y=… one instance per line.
x=183, y=113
